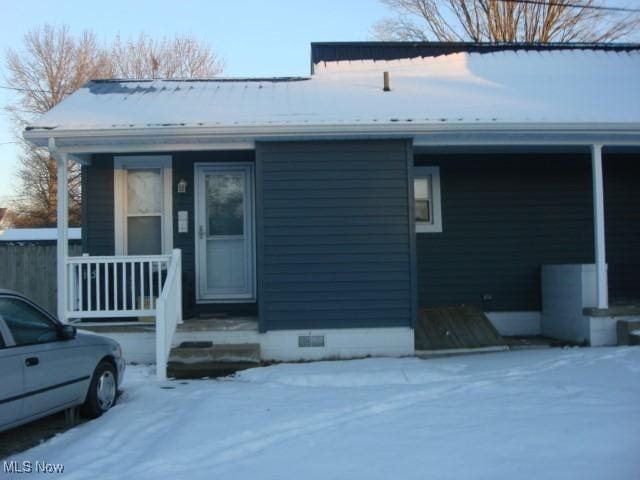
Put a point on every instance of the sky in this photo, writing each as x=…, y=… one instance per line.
x=255, y=38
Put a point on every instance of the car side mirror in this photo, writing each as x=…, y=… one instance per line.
x=68, y=332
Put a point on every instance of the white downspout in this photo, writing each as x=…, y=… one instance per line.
x=62, y=224
x=602, y=281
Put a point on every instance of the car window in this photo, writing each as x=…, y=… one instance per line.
x=26, y=324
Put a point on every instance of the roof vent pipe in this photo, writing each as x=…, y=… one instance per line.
x=385, y=79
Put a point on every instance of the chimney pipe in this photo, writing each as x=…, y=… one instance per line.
x=385, y=76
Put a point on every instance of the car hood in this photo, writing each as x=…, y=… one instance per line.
x=84, y=337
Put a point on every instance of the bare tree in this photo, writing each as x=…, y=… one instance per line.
x=179, y=57
x=506, y=21
x=53, y=64
x=38, y=200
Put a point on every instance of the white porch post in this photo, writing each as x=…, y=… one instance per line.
x=62, y=223
x=598, y=220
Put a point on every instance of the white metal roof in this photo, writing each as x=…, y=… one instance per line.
x=502, y=88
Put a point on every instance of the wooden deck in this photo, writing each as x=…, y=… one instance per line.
x=449, y=328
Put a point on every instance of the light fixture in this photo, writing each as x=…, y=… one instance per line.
x=182, y=186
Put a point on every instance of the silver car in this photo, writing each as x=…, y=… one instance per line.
x=46, y=367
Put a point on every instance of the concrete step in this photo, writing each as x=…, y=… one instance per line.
x=233, y=324
x=204, y=359
x=626, y=330
x=235, y=330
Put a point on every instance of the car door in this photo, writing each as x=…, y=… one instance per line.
x=55, y=370
x=12, y=380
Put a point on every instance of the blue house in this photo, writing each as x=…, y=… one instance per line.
x=315, y=216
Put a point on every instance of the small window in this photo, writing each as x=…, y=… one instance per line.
x=144, y=211
x=27, y=325
x=426, y=194
x=143, y=223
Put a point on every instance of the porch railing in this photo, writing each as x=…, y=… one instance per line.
x=129, y=286
x=168, y=313
x=119, y=286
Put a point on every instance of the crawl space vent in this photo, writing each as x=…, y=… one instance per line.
x=310, y=341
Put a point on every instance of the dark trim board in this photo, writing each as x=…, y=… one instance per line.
x=412, y=236
x=259, y=196
x=353, y=51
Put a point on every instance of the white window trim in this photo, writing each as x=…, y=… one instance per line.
x=121, y=164
x=434, y=173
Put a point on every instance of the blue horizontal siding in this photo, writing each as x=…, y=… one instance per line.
x=334, y=246
x=98, y=236
x=343, y=237
x=622, y=217
x=505, y=215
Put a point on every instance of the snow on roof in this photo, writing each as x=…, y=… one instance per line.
x=35, y=234
x=564, y=86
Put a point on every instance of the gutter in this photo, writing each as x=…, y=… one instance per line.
x=83, y=140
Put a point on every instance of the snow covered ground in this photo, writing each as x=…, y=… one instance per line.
x=552, y=414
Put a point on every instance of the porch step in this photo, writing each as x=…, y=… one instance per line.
x=204, y=359
x=626, y=330
x=228, y=331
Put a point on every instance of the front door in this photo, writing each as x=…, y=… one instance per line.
x=224, y=233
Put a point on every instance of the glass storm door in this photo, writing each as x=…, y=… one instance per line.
x=224, y=235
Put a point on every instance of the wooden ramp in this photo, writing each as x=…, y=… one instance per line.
x=461, y=327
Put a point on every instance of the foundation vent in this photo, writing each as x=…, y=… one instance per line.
x=310, y=341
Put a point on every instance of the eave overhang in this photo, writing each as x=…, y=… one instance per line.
x=87, y=141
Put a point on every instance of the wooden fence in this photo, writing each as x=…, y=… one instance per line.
x=30, y=269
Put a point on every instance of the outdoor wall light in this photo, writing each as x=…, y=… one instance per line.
x=182, y=186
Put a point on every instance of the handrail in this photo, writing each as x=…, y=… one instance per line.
x=116, y=258
x=114, y=286
x=168, y=313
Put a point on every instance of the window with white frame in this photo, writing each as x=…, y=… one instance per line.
x=427, y=204
x=143, y=205
x=144, y=211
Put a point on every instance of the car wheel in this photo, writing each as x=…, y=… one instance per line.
x=102, y=391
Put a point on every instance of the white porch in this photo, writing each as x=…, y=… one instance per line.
x=116, y=286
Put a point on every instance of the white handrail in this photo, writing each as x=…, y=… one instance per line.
x=168, y=313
